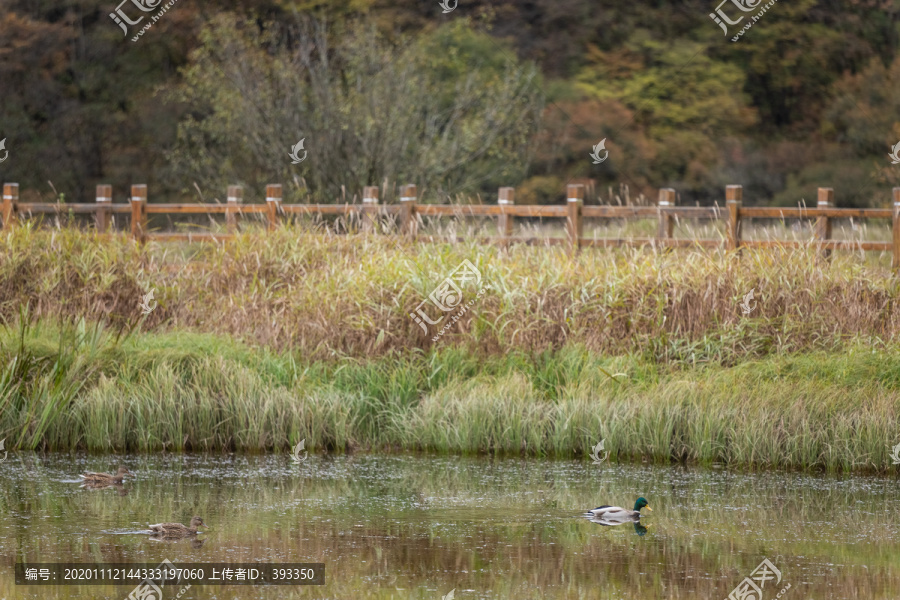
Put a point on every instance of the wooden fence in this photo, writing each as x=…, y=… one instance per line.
x=408, y=211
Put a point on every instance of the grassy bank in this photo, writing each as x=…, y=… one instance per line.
x=84, y=386
x=294, y=335
x=324, y=296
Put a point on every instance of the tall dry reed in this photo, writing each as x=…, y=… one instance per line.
x=326, y=296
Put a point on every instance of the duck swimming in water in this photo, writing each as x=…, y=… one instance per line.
x=177, y=529
x=617, y=513
x=105, y=478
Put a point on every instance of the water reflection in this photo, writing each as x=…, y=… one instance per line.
x=193, y=542
x=117, y=487
x=639, y=528
x=404, y=527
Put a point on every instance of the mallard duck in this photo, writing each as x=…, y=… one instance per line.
x=177, y=529
x=105, y=478
x=617, y=513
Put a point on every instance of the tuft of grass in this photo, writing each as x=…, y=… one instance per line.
x=45, y=367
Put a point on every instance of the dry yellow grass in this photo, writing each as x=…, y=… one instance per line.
x=326, y=295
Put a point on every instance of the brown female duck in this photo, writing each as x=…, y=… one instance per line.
x=177, y=529
x=105, y=478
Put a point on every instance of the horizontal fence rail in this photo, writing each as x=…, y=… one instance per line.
x=408, y=212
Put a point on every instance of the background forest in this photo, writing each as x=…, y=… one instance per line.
x=385, y=92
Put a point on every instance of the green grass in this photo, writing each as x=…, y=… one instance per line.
x=87, y=387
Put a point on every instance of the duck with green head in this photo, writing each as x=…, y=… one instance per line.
x=617, y=513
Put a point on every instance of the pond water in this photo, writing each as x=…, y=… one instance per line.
x=418, y=526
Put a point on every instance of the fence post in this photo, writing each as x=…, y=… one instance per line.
x=234, y=199
x=734, y=199
x=506, y=197
x=895, y=246
x=139, y=213
x=574, y=223
x=666, y=223
x=408, y=219
x=273, y=203
x=104, y=201
x=10, y=204
x=823, y=224
x=369, y=208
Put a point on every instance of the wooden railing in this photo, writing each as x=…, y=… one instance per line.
x=408, y=211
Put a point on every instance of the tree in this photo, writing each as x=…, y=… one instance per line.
x=683, y=100
x=450, y=112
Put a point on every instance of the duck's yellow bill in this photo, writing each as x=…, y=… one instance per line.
x=648, y=508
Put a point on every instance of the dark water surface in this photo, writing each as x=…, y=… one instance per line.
x=404, y=526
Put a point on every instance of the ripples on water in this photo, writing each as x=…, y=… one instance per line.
x=418, y=527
